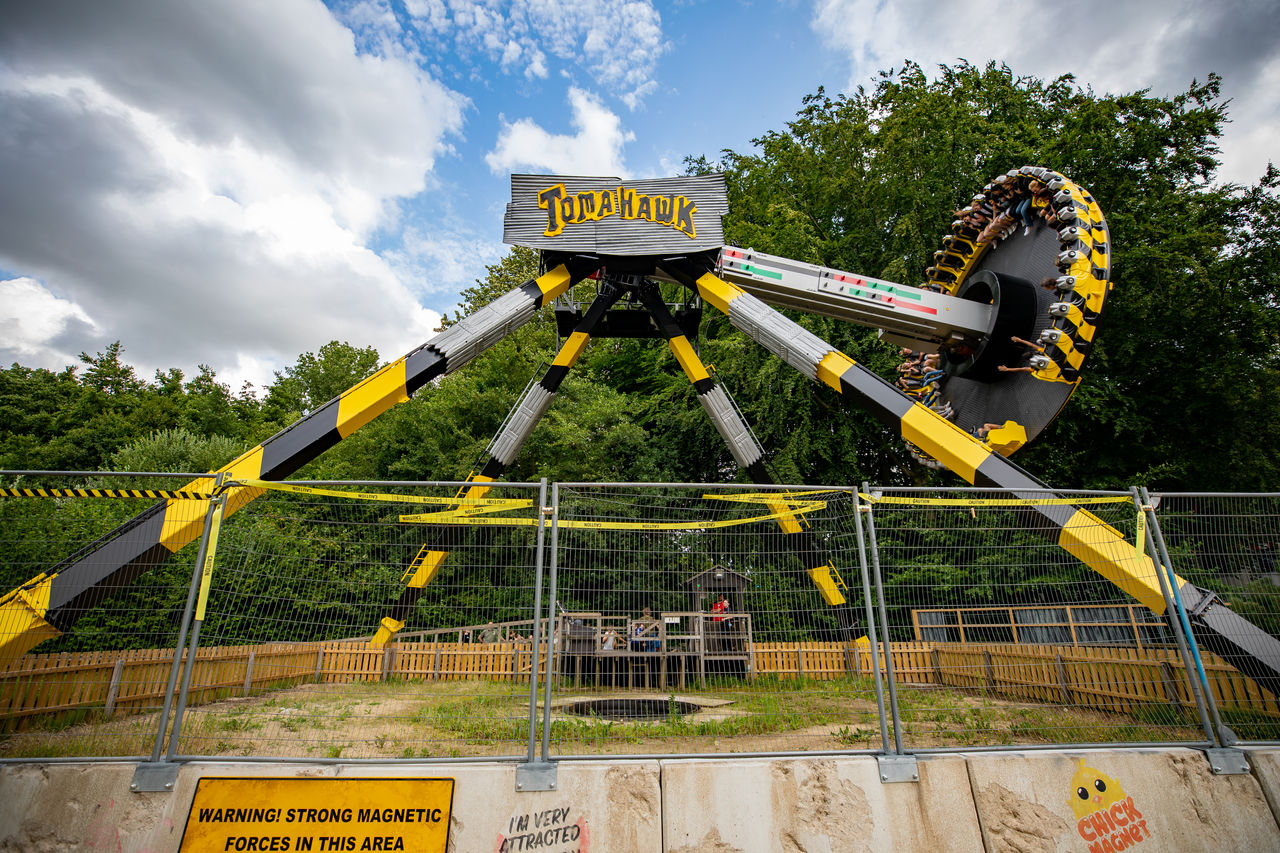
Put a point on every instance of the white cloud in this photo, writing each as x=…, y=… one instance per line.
x=617, y=42
x=443, y=259
x=34, y=325
x=596, y=148
x=1113, y=47
x=205, y=189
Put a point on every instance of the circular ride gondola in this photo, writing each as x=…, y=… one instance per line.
x=1035, y=246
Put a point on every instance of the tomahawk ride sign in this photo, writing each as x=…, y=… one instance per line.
x=260, y=814
x=610, y=216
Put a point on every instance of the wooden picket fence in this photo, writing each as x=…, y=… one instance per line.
x=1117, y=679
x=133, y=681
x=1105, y=678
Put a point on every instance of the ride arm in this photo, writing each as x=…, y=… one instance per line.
x=910, y=316
x=1078, y=531
x=747, y=452
x=502, y=452
x=49, y=604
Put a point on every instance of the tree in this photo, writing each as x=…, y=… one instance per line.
x=176, y=450
x=1182, y=384
x=108, y=374
x=316, y=378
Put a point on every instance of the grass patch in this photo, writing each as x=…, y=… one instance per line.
x=1249, y=724
x=408, y=719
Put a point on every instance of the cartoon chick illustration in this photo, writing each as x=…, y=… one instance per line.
x=1091, y=790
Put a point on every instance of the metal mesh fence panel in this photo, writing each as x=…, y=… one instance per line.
x=689, y=622
x=302, y=651
x=999, y=636
x=92, y=603
x=1228, y=545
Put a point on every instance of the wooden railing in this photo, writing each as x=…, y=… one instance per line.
x=1102, y=678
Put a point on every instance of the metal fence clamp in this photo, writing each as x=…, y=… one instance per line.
x=536, y=776
x=897, y=768
x=1228, y=762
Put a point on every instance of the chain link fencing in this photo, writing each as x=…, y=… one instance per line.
x=382, y=621
x=1227, y=544
x=96, y=682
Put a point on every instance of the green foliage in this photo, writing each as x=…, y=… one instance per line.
x=176, y=450
x=316, y=378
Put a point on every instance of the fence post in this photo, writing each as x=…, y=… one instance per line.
x=1064, y=682
x=1170, y=683
x=206, y=577
x=884, y=621
x=248, y=673
x=149, y=780
x=533, y=775
x=859, y=510
x=319, y=664
x=1173, y=606
x=551, y=615
x=114, y=690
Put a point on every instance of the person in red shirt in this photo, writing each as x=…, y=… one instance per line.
x=719, y=609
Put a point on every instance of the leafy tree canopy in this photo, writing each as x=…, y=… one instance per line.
x=1181, y=391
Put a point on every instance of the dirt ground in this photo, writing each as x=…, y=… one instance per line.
x=414, y=720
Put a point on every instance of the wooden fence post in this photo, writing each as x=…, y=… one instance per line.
x=435, y=664
x=248, y=673
x=388, y=661
x=1170, y=684
x=936, y=659
x=1064, y=683
x=114, y=690
x=989, y=669
x=319, y=664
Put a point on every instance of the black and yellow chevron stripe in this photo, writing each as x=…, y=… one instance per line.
x=1078, y=531
x=155, y=494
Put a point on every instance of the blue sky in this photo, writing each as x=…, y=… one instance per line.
x=235, y=182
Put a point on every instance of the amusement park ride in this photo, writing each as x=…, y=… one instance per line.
x=1013, y=319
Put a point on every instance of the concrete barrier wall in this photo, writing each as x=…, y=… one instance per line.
x=1148, y=800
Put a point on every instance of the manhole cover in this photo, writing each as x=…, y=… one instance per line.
x=631, y=709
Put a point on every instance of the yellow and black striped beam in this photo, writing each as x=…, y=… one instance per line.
x=746, y=451
x=62, y=594
x=502, y=453
x=1079, y=532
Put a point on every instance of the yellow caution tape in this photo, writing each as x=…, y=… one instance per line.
x=473, y=511
x=156, y=494
x=1140, y=536
x=211, y=549
x=378, y=496
x=466, y=518
x=968, y=502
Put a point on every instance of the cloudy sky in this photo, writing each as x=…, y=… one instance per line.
x=234, y=182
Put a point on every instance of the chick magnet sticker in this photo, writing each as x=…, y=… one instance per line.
x=1106, y=817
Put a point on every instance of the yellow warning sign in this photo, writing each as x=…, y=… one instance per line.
x=320, y=815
